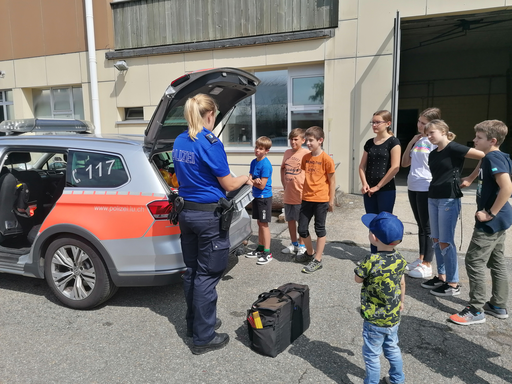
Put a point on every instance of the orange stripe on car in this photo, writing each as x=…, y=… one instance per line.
x=108, y=215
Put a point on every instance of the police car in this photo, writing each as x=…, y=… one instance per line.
x=89, y=213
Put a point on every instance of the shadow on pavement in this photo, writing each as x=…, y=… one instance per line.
x=327, y=359
x=445, y=352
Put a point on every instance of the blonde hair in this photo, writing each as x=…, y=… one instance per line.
x=263, y=142
x=196, y=109
x=441, y=126
x=431, y=114
x=493, y=129
x=386, y=116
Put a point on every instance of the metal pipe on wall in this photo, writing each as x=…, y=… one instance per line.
x=93, y=73
x=509, y=93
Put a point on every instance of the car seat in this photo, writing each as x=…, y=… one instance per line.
x=33, y=181
x=9, y=224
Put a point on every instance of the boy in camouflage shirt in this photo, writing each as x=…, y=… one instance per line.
x=382, y=297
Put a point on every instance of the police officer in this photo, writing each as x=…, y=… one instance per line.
x=203, y=173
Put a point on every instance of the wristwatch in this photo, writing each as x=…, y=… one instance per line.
x=490, y=213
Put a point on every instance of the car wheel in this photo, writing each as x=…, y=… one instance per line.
x=76, y=274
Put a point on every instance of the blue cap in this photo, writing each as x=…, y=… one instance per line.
x=385, y=226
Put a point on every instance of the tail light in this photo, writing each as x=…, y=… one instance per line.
x=160, y=209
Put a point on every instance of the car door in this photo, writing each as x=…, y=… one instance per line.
x=227, y=86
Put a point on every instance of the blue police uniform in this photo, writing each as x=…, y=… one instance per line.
x=204, y=245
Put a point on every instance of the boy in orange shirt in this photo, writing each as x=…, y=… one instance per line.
x=317, y=198
x=292, y=179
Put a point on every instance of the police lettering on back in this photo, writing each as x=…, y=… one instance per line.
x=183, y=156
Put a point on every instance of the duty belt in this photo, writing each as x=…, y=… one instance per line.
x=210, y=207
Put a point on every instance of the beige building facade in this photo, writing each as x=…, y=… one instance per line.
x=46, y=73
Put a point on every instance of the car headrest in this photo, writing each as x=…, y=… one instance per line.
x=4, y=171
x=18, y=158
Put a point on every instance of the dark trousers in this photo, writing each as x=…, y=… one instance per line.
x=205, y=252
x=308, y=209
x=419, y=205
x=380, y=201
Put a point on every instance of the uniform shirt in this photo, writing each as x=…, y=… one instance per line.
x=379, y=162
x=419, y=176
x=487, y=190
x=446, y=167
x=316, y=180
x=380, y=292
x=198, y=164
x=293, y=175
x=261, y=169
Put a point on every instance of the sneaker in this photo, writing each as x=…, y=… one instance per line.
x=446, y=290
x=301, y=251
x=264, y=258
x=304, y=258
x=421, y=271
x=414, y=264
x=290, y=249
x=313, y=266
x=253, y=254
x=468, y=316
x=385, y=380
x=500, y=313
x=432, y=283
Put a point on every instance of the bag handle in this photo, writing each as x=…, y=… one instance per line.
x=273, y=293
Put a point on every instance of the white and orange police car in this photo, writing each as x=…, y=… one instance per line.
x=89, y=213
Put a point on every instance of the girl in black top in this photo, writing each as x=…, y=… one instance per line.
x=446, y=163
x=379, y=165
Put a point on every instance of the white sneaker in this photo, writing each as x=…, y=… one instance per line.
x=289, y=249
x=301, y=250
x=414, y=264
x=421, y=272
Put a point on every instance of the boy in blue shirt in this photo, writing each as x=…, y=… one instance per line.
x=382, y=297
x=492, y=219
x=261, y=174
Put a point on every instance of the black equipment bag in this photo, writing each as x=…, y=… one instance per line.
x=284, y=315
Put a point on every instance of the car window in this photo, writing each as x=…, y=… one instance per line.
x=96, y=170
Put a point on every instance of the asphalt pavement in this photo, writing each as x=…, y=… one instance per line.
x=139, y=336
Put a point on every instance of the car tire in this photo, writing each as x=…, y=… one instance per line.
x=76, y=274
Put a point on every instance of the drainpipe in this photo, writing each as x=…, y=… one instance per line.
x=93, y=74
x=509, y=93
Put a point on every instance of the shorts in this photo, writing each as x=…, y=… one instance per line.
x=307, y=211
x=262, y=209
x=292, y=212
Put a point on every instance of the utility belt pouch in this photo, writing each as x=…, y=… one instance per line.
x=226, y=216
x=177, y=206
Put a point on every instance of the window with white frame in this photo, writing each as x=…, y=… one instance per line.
x=64, y=103
x=285, y=99
x=6, y=105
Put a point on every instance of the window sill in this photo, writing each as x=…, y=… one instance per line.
x=251, y=150
x=130, y=122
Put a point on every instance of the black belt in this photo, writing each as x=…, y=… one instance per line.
x=209, y=207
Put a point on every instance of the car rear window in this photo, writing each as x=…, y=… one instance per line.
x=96, y=170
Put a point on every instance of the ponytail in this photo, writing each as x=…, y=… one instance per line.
x=195, y=109
x=441, y=126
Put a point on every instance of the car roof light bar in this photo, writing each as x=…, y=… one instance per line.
x=17, y=127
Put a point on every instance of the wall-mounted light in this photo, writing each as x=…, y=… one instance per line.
x=2, y=74
x=121, y=65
